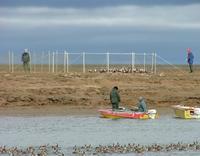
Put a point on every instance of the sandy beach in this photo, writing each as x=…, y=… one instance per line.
x=78, y=93
x=61, y=111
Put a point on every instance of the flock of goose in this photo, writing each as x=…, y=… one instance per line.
x=134, y=148
x=118, y=70
x=89, y=150
x=42, y=150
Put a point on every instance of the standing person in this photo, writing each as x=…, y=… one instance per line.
x=190, y=58
x=26, y=60
x=142, y=106
x=114, y=98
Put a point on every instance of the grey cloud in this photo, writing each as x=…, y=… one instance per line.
x=131, y=16
x=92, y=3
x=166, y=29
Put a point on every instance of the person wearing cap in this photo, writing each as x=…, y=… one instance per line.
x=190, y=58
x=114, y=98
x=26, y=60
x=142, y=107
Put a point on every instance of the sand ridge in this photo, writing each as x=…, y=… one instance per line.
x=91, y=90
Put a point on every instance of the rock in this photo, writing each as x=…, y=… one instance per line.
x=12, y=99
x=162, y=74
x=2, y=101
x=26, y=98
x=6, y=75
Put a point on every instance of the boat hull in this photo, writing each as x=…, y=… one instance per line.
x=186, y=112
x=109, y=113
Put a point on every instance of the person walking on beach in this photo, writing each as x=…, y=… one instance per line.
x=115, y=98
x=26, y=60
x=190, y=58
x=142, y=106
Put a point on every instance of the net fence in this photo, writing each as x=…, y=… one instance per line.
x=62, y=62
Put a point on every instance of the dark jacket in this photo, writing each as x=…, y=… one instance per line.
x=114, y=96
x=25, y=57
x=190, y=58
x=142, y=107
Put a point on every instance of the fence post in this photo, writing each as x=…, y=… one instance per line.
x=12, y=61
x=83, y=62
x=67, y=62
x=53, y=62
x=41, y=63
x=9, y=63
x=34, y=65
x=49, y=61
x=155, y=62
x=144, y=62
x=152, y=62
x=56, y=61
x=30, y=61
x=108, y=61
x=133, y=61
x=64, y=61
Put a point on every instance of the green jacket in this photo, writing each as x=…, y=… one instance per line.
x=142, y=107
x=114, y=96
x=25, y=57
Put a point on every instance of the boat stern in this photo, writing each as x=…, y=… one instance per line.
x=186, y=112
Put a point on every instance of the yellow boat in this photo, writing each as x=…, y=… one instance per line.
x=186, y=112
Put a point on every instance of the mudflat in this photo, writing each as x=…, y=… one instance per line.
x=78, y=93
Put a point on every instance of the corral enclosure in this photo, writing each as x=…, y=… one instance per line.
x=62, y=61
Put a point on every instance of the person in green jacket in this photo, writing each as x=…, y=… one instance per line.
x=26, y=60
x=114, y=98
x=142, y=106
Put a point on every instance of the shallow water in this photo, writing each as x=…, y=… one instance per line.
x=68, y=131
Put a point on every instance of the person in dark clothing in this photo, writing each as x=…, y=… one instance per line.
x=142, y=107
x=26, y=60
x=190, y=58
x=114, y=98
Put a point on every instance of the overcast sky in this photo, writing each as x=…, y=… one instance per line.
x=166, y=27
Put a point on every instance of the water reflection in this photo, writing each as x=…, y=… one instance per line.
x=68, y=131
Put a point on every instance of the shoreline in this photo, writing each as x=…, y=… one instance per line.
x=51, y=111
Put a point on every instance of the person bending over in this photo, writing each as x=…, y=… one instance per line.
x=114, y=98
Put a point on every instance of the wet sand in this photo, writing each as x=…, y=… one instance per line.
x=47, y=111
x=62, y=111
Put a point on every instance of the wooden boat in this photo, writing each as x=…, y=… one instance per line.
x=186, y=112
x=124, y=113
